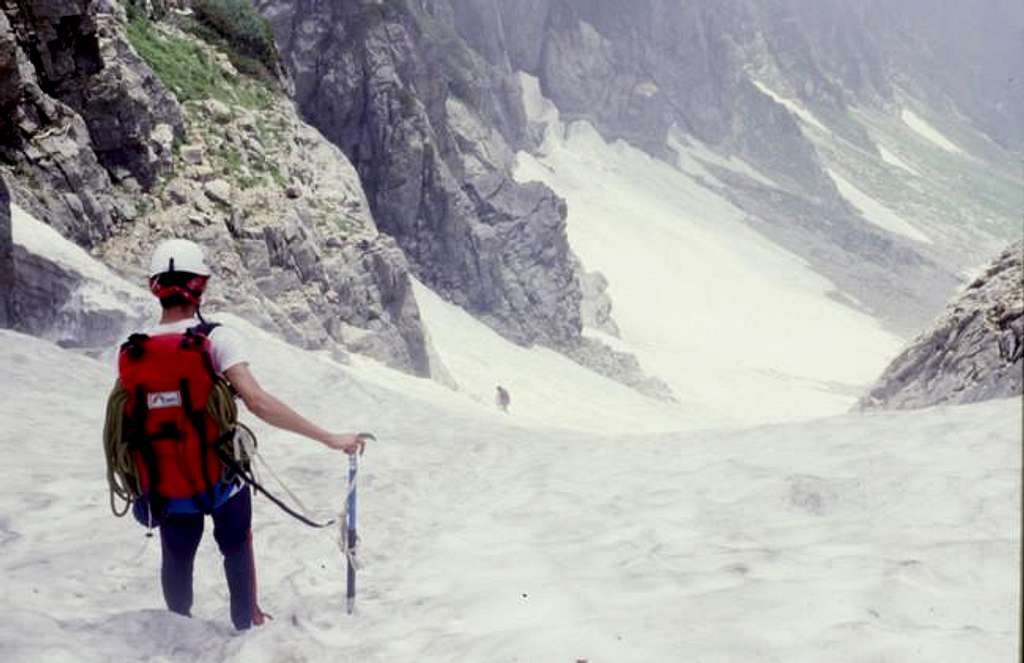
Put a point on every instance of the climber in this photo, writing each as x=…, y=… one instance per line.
x=167, y=375
x=502, y=399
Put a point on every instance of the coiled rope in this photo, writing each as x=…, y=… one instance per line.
x=122, y=475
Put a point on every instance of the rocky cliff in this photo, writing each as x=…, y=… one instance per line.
x=422, y=97
x=431, y=127
x=974, y=352
x=79, y=114
x=119, y=133
x=727, y=74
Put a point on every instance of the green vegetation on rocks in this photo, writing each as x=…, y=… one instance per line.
x=191, y=71
x=241, y=26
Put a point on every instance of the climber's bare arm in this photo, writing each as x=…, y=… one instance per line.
x=270, y=409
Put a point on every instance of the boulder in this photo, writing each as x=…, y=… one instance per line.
x=218, y=191
x=192, y=154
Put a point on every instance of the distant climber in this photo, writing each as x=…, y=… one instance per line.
x=502, y=399
x=172, y=467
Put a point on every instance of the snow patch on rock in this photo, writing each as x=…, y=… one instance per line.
x=927, y=131
x=876, y=212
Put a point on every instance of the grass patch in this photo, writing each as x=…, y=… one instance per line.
x=238, y=23
x=275, y=174
x=232, y=159
x=245, y=64
x=190, y=72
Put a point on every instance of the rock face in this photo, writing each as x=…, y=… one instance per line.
x=79, y=112
x=424, y=99
x=639, y=71
x=431, y=127
x=87, y=135
x=47, y=144
x=974, y=352
x=87, y=63
x=309, y=265
x=634, y=68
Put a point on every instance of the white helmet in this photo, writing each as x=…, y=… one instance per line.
x=178, y=255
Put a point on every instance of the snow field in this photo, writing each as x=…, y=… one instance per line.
x=882, y=537
x=558, y=532
x=736, y=325
x=546, y=388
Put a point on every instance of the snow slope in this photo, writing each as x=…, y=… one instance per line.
x=886, y=537
x=504, y=538
x=546, y=388
x=723, y=315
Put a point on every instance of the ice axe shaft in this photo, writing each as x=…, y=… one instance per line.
x=350, y=534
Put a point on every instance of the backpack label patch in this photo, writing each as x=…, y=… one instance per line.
x=163, y=399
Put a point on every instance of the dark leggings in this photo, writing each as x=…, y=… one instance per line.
x=179, y=538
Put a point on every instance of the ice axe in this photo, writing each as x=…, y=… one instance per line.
x=348, y=532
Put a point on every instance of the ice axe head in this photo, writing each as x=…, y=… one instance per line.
x=364, y=438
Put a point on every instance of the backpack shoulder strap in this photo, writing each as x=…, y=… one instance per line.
x=204, y=328
x=134, y=345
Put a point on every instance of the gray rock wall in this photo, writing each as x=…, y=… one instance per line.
x=971, y=52
x=636, y=69
x=288, y=231
x=79, y=112
x=377, y=79
x=47, y=145
x=86, y=132
x=974, y=352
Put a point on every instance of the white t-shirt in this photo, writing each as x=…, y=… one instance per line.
x=227, y=347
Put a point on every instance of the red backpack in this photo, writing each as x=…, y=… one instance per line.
x=168, y=379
